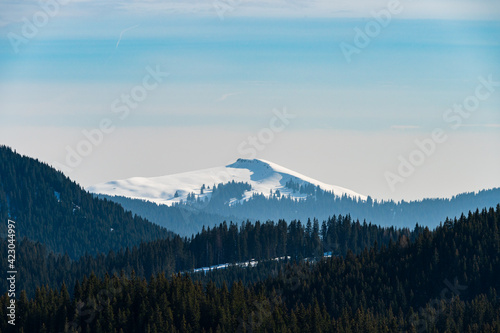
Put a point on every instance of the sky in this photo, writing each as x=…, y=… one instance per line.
x=393, y=99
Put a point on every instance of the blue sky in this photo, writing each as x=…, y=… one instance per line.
x=227, y=75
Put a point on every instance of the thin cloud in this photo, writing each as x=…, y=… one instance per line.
x=404, y=127
x=480, y=125
x=226, y=96
x=431, y=9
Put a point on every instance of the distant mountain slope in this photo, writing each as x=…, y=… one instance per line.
x=50, y=208
x=264, y=178
x=428, y=212
x=182, y=220
x=189, y=217
x=261, y=190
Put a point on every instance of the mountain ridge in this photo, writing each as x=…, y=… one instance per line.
x=50, y=208
x=265, y=177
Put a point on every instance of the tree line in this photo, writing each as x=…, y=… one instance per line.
x=444, y=280
x=226, y=243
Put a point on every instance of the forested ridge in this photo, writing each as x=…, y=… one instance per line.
x=226, y=243
x=50, y=208
x=189, y=217
x=444, y=280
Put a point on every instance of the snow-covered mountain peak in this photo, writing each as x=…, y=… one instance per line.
x=263, y=176
x=253, y=164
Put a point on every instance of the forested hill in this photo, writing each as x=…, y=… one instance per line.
x=50, y=208
x=224, y=244
x=183, y=220
x=189, y=217
x=445, y=280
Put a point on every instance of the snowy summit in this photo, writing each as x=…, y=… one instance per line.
x=263, y=176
